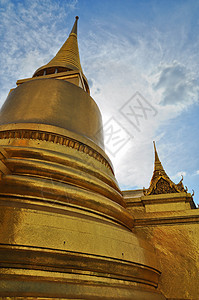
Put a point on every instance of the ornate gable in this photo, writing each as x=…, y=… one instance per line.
x=163, y=186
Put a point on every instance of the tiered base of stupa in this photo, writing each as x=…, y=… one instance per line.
x=64, y=232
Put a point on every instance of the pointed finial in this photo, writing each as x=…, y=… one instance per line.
x=157, y=160
x=158, y=168
x=182, y=178
x=74, y=29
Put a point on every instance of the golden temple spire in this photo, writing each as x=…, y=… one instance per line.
x=66, y=63
x=158, y=168
x=160, y=182
x=66, y=59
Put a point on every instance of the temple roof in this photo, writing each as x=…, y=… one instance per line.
x=66, y=59
x=160, y=182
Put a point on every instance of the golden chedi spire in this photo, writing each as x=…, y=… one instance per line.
x=65, y=230
x=66, y=60
x=160, y=182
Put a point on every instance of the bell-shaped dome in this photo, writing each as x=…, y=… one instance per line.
x=57, y=103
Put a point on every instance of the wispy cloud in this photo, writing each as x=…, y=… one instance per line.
x=119, y=58
x=118, y=67
x=30, y=37
x=177, y=84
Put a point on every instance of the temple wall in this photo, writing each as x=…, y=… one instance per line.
x=176, y=240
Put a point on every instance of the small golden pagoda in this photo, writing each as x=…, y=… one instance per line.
x=165, y=216
x=65, y=230
x=161, y=183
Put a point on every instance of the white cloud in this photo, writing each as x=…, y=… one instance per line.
x=177, y=84
x=179, y=175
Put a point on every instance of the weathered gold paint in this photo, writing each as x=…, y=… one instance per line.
x=65, y=230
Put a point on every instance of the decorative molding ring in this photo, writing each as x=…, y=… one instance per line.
x=54, y=138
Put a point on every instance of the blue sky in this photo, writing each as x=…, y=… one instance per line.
x=150, y=47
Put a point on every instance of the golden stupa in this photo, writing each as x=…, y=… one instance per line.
x=67, y=231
